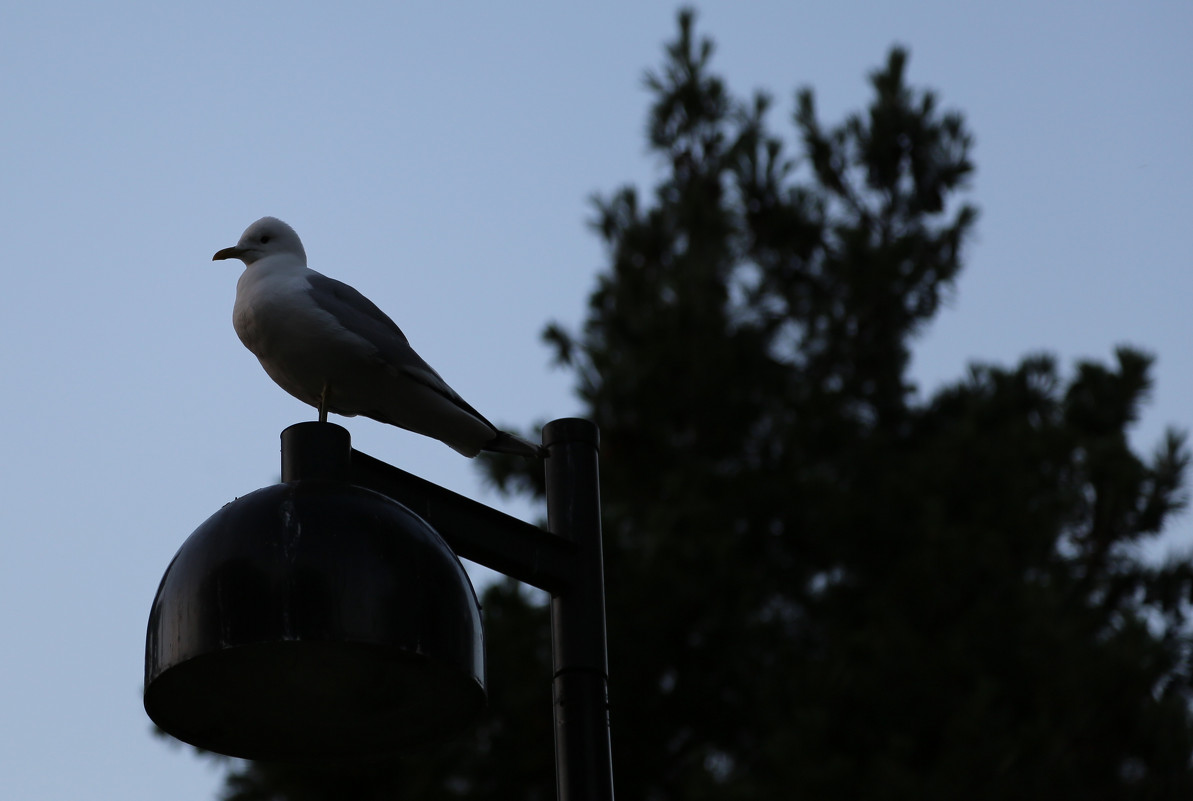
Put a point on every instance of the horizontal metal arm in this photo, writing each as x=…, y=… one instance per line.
x=474, y=531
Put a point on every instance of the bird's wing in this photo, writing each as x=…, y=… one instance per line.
x=356, y=313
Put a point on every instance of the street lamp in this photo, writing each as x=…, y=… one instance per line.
x=329, y=616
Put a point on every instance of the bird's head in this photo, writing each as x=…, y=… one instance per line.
x=268, y=236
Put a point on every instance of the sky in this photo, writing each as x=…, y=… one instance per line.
x=440, y=157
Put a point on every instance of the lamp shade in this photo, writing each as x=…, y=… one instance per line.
x=314, y=619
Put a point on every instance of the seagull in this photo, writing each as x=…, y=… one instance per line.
x=330, y=346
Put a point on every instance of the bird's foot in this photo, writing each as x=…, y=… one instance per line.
x=324, y=402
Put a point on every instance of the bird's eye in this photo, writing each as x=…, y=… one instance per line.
x=265, y=239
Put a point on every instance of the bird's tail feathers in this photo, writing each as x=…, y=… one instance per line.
x=505, y=442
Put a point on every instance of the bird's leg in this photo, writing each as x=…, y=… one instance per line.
x=324, y=401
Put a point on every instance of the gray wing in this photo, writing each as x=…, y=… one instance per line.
x=361, y=316
x=356, y=313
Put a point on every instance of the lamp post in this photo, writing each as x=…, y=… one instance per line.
x=328, y=615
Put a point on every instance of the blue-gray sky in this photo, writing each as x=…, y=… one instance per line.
x=439, y=157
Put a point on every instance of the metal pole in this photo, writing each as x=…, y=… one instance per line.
x=474, y=531
x=580, y=687
x=316, y=451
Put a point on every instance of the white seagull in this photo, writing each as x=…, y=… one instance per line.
x=330, y=346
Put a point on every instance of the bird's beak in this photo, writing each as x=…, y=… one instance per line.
x=228, y=253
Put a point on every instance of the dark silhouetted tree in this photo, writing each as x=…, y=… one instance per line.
x=819, y=584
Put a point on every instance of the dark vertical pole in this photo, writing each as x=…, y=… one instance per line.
x=583, y=759
x=316, y=450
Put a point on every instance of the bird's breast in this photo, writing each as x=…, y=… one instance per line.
x=269, y=311
x=300, y=345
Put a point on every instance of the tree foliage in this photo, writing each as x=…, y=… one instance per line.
x=821, y=585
